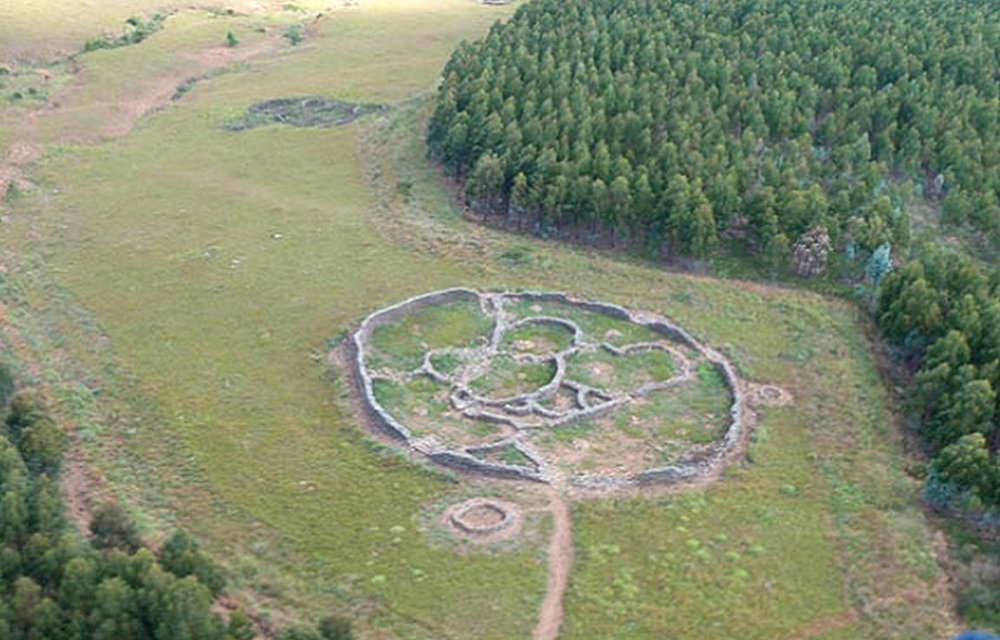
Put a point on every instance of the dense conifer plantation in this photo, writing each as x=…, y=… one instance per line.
x=668, y=124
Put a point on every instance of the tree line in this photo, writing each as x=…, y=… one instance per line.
x=943, y=315
x=671, y=124
x=56, y=584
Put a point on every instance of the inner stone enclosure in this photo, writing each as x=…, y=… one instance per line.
x=546, y=387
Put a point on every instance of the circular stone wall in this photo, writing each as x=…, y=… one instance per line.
x=541, y=386
x=482, y=516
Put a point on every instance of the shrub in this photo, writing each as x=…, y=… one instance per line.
x=111, y=528
x=26, y=407
x=97, y=43
x=231, y=39
x=137, y=30
x=183, y=88
x=11, y=193
x=42, y=445
x=297, y=632
x=240, y=627
x=180, y=556
x=7, y=386
x=293, y=34
x=336, y=628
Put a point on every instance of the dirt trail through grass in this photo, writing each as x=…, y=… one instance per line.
x=122, y=114
x=152, y=93
x=560, y=565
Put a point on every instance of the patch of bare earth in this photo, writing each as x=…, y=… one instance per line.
x=606, y=451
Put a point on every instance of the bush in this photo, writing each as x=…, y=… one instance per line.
x=12, y=193
x=240, y=627
x=7, y=386
x=293, y=34
x=137, y=30
x=42, y=445
x=297, y=632
x=336, y=628
x=231, y=39
x=112, y=528
x=180, y=556
x=26, y=407
x=97, y=43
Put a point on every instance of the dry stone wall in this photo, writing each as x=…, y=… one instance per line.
x=512, y=411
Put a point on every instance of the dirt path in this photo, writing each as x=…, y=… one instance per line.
x=120, y=116
x=560, y=565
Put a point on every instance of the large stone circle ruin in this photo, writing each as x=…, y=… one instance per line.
x=548, y=388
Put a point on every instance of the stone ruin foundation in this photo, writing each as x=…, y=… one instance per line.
x=483, y=517
x=524, y=412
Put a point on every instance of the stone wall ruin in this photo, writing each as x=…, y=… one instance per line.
x=706, y=461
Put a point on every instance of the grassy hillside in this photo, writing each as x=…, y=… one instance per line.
x=177, y=286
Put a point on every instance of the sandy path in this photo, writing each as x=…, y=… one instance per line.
x=560, y=565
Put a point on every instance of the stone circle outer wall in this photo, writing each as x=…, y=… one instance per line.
x=707, y=460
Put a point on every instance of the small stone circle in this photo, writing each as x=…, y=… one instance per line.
x=523, y=414
x=484, y=519
x=481, y=516
x=769, y=395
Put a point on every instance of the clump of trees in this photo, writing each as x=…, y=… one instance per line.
x=57, y=585
x=943, y=315
x=670, y=124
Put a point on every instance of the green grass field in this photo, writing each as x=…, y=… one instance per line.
x=177, y=287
